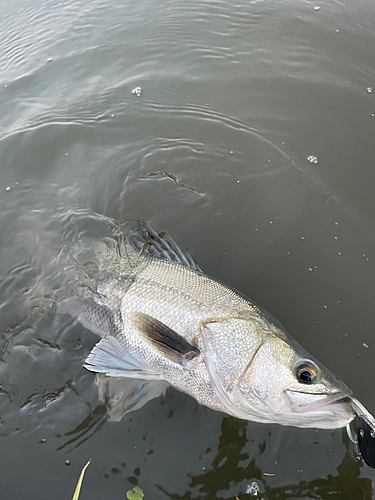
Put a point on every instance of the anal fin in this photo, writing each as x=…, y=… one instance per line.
x=125, y=395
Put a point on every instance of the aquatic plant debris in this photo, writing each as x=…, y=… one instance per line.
x=135, y=494
x=79, y=484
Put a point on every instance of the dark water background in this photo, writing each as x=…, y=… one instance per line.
x=236, y=97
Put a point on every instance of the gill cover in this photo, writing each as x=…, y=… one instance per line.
x=229, y=345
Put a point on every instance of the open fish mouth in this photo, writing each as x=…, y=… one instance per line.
x=301, y=402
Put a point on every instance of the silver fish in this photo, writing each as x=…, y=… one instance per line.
x=164, y=322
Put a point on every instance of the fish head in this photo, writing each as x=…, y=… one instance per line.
x=276, y=380
x=292, y=388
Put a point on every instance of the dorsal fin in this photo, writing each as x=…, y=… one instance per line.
x=160, y=246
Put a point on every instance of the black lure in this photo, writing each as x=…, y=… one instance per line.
x=366, y=440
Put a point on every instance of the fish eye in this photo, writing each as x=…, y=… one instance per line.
x=306, y=372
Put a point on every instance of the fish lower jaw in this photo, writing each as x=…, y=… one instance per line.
x=322, y=411
x=302, y=402
x=334, y=419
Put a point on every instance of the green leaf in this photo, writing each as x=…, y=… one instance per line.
x=79, y=484
x=135, y=494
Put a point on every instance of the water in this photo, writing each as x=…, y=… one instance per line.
x=252, y=143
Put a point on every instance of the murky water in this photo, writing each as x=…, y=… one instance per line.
x=252, y=142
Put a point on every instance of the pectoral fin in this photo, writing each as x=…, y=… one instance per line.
x=169, y=343
x=110, y=358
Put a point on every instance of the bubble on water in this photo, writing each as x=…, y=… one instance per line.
x=67, y=462
x=49, y=59
x=369, y=90
x=310, y=269
x=253, y=489
x=271, y=221
x=238, y=181
x=302, y=237
x=6, y=86
x=137, y=91
x=337, y=31
x=231, y=152
x=325, y=307
x=316, y=7
x=336, y=237
x=312, y=159
x=112, y=115
x=365, y=345
x=7, y=188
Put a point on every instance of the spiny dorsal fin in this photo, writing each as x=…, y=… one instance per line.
x=169, y=343
x=160, y=246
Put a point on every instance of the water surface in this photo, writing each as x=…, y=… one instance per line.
x=252, y=143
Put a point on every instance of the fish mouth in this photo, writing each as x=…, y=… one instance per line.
x=301, y=402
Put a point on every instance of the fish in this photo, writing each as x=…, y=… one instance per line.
x=164, y=322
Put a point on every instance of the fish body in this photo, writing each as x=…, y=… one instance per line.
x=163, y=322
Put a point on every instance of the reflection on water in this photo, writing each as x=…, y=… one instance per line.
x=232, y=468
x=345, y=485
x=85, y=429
x=230, y=465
